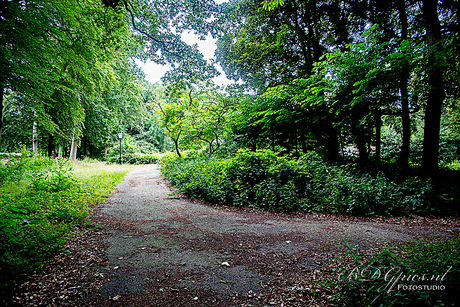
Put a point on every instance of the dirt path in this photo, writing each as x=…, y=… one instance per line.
x=160, y=249
x=170, y=250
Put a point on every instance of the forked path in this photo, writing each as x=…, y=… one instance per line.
x=165, y=250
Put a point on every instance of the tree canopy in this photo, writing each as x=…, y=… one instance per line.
x=322, y=75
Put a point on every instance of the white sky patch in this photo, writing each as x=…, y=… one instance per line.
x=154, y=72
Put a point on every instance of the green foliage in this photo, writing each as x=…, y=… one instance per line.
x=367, y=283
x=235, y=180
x=16, y=167
x=11, y=170
x=363, y=194
x=53, y=73
x=39, y=210
x=135, y=150
x=270, y=5
x=135, y=158
x=57, y=178
x=264, y=180
x=453, y=166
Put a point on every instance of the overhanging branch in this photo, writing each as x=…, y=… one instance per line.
x=133, y=22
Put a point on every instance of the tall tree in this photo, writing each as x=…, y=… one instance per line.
x=436, y=95
x=270, y=47
x=53, y=55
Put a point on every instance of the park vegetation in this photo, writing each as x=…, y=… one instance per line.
x=42, y=200
x=346, y=107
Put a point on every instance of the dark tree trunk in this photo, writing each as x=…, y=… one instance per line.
x=296, y=147
x=91, y=150
x=360, y=140
x=303, y=140
x=85, y=146
x=436, y=89
x=176, y=145
x=405, y=148
x=2, y=92
x=332, y=142
x=378, y=125
x=405, y=116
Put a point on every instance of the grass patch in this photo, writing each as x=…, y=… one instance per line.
x=41, y=201
x=99, y=178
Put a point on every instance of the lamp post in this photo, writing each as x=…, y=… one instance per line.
x=120, y=136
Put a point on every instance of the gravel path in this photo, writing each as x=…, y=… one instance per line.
x=158, y=248
x=165, y=250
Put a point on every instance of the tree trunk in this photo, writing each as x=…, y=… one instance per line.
x=106, y=148
x=60, y=151
x=176, y=144
x=2, y=93
x=332, y=143
x=91, y=150
x=303, y=140
x=378, y=125
x=405, y=148
x=73, y=149
x=436, y=89
x=405, y=116
x=254, y=145
x=85, y=146
x=34, y=138
x=360, y=136
x=296, y=143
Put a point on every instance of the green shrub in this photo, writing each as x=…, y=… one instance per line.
x=38, y=211
x=264, y=180
x=346, y=192
x=259, y=179
x=402, y=276
x=135, y=158
x=57, y=177
x=12, y=170
x=452, y=166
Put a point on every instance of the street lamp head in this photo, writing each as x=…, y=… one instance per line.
x=120, y=135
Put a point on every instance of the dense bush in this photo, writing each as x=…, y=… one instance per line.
x=394, y=277
x=264, y=180
x=345, y=191
x=135, y=158
x=41, y=200
x=135, y=150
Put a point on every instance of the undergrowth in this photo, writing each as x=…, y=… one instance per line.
x=421, y=273
x=135, y=158
x=267, y=181
x=41, y=201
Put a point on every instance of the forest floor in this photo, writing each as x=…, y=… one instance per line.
x=150, y=246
